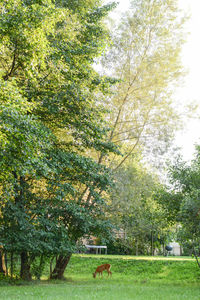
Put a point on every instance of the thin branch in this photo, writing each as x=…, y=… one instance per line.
x=129, y=153
x=13, y=64
x=196, y=256
x=135, y=145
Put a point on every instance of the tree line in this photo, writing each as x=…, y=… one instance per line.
x=67, y=131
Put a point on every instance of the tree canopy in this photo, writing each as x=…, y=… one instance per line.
x=145, y=57
x=181, y=201
x=62, y=123
x=50, y=117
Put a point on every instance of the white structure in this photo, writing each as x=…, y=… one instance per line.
x=97, y=248
x=176, y=248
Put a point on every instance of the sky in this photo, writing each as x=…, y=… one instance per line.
x=190, y=91
x=190, y=88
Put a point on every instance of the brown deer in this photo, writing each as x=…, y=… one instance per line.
x=102, y=268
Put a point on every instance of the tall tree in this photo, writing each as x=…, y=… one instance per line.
x=50, y=118
x=146, y=59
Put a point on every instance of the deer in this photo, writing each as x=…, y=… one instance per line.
x=102, y=268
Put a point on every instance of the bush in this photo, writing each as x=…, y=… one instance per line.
x=120, y=247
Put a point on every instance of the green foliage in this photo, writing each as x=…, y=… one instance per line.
x=141, y=221
x=120, y=247
x=181, y=201
x=51, y=189
x=170, y=201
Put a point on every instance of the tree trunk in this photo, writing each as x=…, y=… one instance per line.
x=6, y=263
x=25, y=273
x=2, y=265
x=61, y=264
x=152, y=249
x=11, y=264
x=19, y=193
x=41, y=266
x=50, y=266
x=196, y=256
x=163, y=249
x=136, y=248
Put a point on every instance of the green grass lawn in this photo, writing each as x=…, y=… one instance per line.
x=133, y=278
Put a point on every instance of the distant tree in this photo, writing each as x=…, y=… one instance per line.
x=145, y=57
x=134, y=210
x=182, y=201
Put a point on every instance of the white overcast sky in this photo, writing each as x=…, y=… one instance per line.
x=190, y=90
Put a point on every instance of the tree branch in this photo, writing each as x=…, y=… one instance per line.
x=13, y=64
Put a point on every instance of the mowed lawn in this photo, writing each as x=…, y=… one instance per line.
x=132, y=278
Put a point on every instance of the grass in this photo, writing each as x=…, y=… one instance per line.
x=138, y=278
